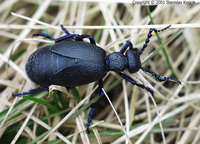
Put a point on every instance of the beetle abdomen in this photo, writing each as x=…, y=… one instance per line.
x=82, y=72
x=69, y=64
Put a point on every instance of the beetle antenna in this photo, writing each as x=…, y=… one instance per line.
x=158, y=76
x=150, y=35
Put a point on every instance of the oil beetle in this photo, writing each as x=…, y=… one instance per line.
x=74, y=62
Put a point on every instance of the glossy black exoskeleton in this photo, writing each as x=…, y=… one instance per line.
x=73, y=63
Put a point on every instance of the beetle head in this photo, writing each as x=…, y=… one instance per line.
x=133, y=57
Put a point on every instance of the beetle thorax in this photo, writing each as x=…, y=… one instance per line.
x=116, y=62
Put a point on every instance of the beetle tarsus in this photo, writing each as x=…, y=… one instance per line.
x=44, y=35
x=30, y=91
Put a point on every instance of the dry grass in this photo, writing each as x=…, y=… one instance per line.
x=171, y=116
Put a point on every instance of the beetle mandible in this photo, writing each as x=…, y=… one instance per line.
x=75, y=62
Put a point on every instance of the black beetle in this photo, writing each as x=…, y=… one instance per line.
x=73, y=63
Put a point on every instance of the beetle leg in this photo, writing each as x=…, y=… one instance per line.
x=92, y=40
x=125, y=47
x=149, y=36
x=66, y=31
x=44, y=35
x=75, y=37
x=95, y=104
x=58, y=39
x=134, y=82
x=78, y=38
x=30, y=91
x=65, y=37
x=158, y=76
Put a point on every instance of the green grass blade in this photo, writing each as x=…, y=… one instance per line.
x=50, y=106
